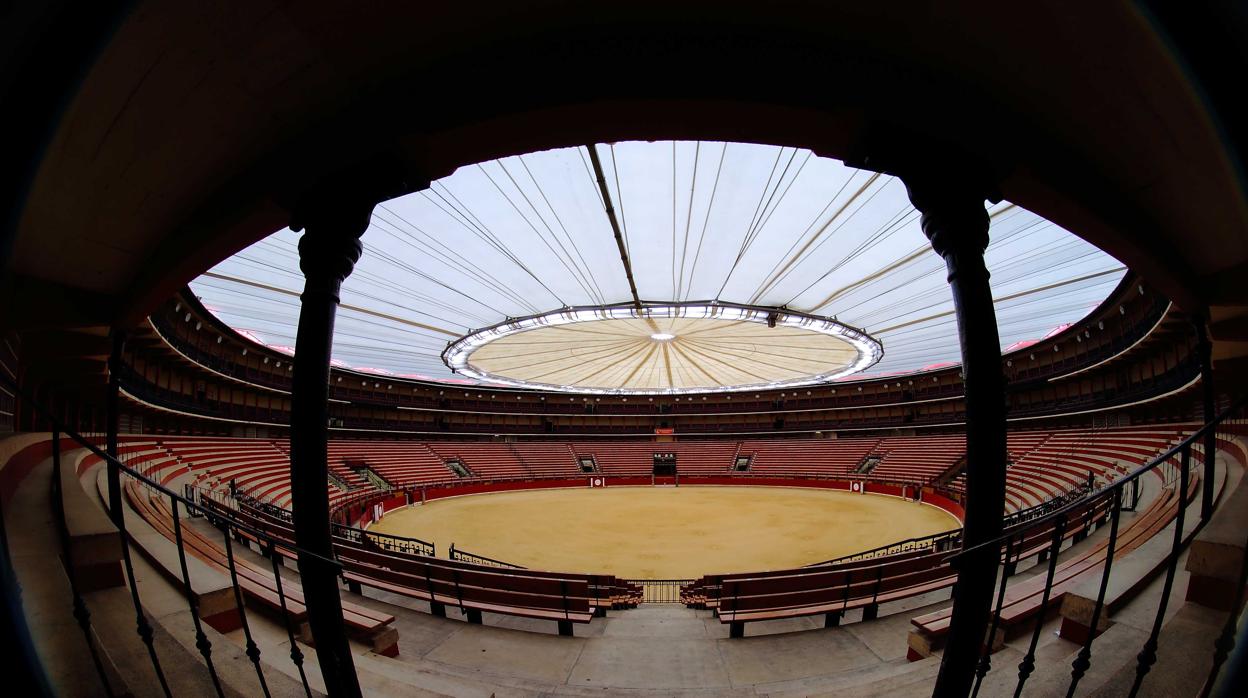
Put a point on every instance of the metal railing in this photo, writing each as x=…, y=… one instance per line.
x=940, y=542
x=457, y=554
x=380, y=541
x=177, y=505
x=1175, y=472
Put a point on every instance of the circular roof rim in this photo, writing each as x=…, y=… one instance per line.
x=869, y=349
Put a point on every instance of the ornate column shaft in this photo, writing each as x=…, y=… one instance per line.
x=956, y=223
x=328, y=251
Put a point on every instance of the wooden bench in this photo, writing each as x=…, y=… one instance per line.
x=514, y=591
x=705, y=592
x=606, y=591
x=829, y=592
x=448, y=583
x=1131, y=574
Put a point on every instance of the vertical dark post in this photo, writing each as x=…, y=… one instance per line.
x=956, y=222
x=328, y=251
x=1204, y=350
x=113, y=419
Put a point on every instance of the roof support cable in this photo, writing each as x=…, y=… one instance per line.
x=619, y=195
x=684, y=249
x=787, y=263
x=532, y=227
x=762, y=213
x=705, y=221
x=602, y=298
x=400, y=264
x=854, y=253
x=443, y=250
x=484, y=233
x=615, y=224
x=467, y=270
x=673, y=220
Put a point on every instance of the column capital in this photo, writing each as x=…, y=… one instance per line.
x=953, y=214
x=946, y=185
x=334, y=213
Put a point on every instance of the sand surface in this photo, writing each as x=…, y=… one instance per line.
x=666, y=532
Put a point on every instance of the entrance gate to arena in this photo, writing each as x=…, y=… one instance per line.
x=660, y=590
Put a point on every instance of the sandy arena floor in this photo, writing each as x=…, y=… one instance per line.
x=666, y=532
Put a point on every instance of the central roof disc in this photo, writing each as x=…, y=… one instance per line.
x=663, y=349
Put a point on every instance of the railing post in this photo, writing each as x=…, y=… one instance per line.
x=333, y=222
x=113, y=419
x=1204, y=349
x=951, y=201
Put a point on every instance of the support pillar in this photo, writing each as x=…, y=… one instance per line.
x=1204, y=351
x=955, y=221
x=328, y=251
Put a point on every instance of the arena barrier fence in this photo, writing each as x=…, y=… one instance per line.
x=462, y=556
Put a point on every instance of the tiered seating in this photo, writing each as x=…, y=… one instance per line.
x=621, y=458
x=701, y=457
x=923, y=458
x=401, y=463
x=548, y=459
x=807, y=457
x=254, y=465
x=485, y=460
x=1065, y=460
x=1043, y=464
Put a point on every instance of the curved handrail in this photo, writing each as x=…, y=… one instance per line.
x=1113, y=488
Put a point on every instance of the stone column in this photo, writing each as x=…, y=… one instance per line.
x=955, y=221
x=328, y=251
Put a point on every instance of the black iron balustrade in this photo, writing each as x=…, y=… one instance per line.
x=380, y=541
x=385, y=541
x=1174, y=468
x=177, y=503
x=939, y=542
x=457, y=554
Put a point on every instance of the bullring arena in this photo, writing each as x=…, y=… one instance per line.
x=651, y=349
x=669, y=532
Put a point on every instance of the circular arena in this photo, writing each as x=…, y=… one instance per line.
x=569, y=349
x=669, y=533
